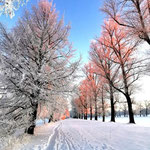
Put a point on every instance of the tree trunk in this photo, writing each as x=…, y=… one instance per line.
x=131, y=115
x=140, y=113
x=103, y=109
x=91, y=115
x=82, y=115
x=30, y=129
x=95, y=108
x=125, y=113
x=129, y=102
x=104, y=118
x=51, y=118
x=79, y=116
x=85, y=114
x=103, y=106
x=146, y=111
x=112, y=105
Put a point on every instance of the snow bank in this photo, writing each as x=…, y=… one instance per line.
x=40, y=139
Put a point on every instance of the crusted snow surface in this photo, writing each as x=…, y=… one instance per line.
x=75, y=134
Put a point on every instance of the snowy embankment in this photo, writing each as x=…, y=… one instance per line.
x=40, y=139
x=75, y=134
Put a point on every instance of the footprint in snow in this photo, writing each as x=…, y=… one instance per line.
x=104, y=147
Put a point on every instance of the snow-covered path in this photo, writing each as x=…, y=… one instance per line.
x=75, y=134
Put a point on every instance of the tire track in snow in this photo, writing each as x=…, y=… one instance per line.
x=68, y=137
x=68, y=141
x=52, y=138
x=59, y=141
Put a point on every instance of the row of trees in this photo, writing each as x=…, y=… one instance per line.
x=143, y=108
x=36, y=68
x=113, y=56
x=140, y=108
x=53, y=111
x=91, y=95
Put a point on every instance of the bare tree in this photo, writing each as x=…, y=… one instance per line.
x=104, y=68
x=124, y=108
x=139, y=108
x=94, y=82
x=115, y=48
x=134, y=14
x=103, y=101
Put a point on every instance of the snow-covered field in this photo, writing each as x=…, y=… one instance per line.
x=74, y=134
x=140, y=121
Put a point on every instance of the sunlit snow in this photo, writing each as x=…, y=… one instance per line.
x=76, y=134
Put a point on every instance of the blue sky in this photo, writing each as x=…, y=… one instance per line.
x=86, y=21
x=83, y=15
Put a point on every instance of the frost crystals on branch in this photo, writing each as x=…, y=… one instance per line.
x=9, y=6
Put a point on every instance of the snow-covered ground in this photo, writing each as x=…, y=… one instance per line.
x=39, y=141
x=76, y=134
x=140, y=121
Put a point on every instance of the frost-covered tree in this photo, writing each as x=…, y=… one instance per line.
x=36, y=63
x=8, y=7
x=52, y=111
